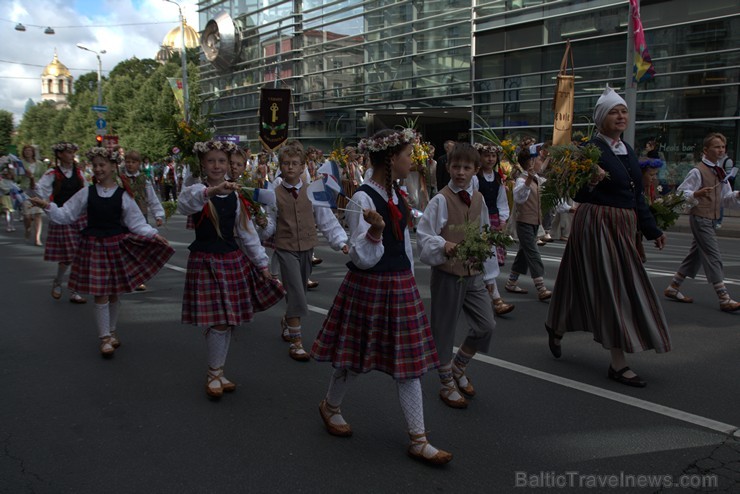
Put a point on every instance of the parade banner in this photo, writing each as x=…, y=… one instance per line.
x=176, y=85
x=274, y=117
x=563, y=100
x=643, y=70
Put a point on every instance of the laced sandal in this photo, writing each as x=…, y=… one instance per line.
x=419, y=445
x=297, y=352
x=114, y=339
x=729, y=306
x=284, y=333
x=543, y=295
x=56, y=290
x=228, y=386
x=500, y=307
x=327, y=412
x=76, y=298
x=214, y=386
x=514, y=288
x=106, y=346
x=675, y=294
x=448, y=388
x=468, y=390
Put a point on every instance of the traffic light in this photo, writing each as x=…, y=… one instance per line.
x=99, y=140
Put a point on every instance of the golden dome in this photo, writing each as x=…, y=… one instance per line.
x=174, y=38
x=56, y=69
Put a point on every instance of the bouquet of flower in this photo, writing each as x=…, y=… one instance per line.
x=479, y=244
x=185, y=135
x=247, y=184
x=571, y=167
x=508, y=147
x=338, y=156
x=169, y=209
x=420, y=156
x=667, y=208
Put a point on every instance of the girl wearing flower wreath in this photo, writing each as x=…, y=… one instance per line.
x=118, y=249
x=489, y=183
x=32, y=215
x=57, y=185
x=377, y=320
x=223, y=286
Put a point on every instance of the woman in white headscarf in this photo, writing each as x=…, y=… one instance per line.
x=602, y=286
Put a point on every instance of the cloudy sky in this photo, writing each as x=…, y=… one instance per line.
x=93, y=23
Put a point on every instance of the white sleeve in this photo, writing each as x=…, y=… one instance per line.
x=490, y=265
x=431, y=243
x=250, y=242
x=73, y=209
x=269, y=230
x=562, y=207
x=521, y=191
x=152, y=201
x=691, y=183
x=364, y=253
x=330, y=227
x=730, y=199
x=45, y=185
x=192, y=199
x=502, y=203
x=134, y=219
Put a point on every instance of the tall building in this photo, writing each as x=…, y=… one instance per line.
x=451, y=65
x=56, y=82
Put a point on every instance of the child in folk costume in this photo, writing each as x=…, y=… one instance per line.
x=32, y=216
x=377, y=320
x=295, y=221
x=58, y=184
x=6, y=202
x=118, y=250
x=708, y=186
x=455, y=287
x=223, y=286
x=494, y=193
x=528, y=221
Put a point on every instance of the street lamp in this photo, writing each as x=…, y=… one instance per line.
x=183, y=58
x=100, y=70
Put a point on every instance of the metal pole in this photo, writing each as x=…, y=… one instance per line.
x=184, y=58
x=100, y=81
x=630, y=88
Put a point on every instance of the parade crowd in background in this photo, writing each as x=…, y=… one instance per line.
x=256, y=220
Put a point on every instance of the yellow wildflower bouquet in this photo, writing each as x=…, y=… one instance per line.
x=667, y=208
x=508, y=147
x=420, y=156
x=169, y=209
x=478, y=245
x=571, y=168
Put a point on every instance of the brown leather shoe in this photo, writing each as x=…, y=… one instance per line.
x=440, y=457
x=500, y=307
x=444, y=395
x=312, y=284
x=327, y=412
x=730, y=306
x=106, y=347
x=297, y=352
x=544, y=295
x=672, y=294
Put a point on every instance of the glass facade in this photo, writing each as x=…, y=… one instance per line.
x=355, y=66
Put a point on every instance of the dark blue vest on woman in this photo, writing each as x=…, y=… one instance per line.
x=394, y=250
x=490, y=192
x=104, y=214
x=206, y=236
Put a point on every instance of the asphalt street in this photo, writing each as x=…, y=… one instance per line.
x=73, y=422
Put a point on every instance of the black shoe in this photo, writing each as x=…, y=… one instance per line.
x=315, y=261
x=554, y=349
x=629, y=381
x=312, y=284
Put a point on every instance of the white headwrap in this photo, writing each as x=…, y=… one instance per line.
x=608, y=100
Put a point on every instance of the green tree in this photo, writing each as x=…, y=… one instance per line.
x=6, y=129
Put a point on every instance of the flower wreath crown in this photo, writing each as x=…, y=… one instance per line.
x=109, y=154
x=203, y=147
x=488, y=148
x=64, y=146
x=651, y=163
x=404, y=136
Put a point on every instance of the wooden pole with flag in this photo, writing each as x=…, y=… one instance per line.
x=630, y=87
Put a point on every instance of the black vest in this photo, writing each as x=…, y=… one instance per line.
x=490, y=192
x=104, y=214
x=67, y=187
x=206, y=236
x=394, y=251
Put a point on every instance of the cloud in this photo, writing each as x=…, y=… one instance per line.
x=72, y=22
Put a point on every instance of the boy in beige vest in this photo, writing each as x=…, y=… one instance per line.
x=456, y=288
x=708, y=186
x=294, y=222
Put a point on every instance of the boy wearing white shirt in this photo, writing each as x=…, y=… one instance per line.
x=454, y=287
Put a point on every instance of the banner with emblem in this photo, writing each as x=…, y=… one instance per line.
x=563, y=100
x=274, y=117
x=176, y=85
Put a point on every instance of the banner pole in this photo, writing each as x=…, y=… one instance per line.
x=630, y=87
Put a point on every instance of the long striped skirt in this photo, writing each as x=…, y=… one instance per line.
x=219, y=290
x=377, y=322
x=495, y=225
x=117, y=264
x=62, y=241
x=602, y=286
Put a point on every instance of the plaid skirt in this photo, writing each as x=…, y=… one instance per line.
x=62, y=241
x=500, y=251
x=218, y=289
x=189, y=223
x=117, y=264
x=377, y=322
x=602, y=286
x=264, y=294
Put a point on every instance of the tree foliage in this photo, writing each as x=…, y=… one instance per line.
x=6, y=129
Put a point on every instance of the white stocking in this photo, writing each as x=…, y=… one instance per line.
x=217, y=343
x=338, y=386
x=113, y=308
x=412, y=404
x=102, y=318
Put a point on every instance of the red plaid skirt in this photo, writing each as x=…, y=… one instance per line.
x=219, y=290
x=377, y=322
x=189, y=223
x=62, y=241
x=264, y=294
x=117, y=264
x=269, y=243
x=500, y=251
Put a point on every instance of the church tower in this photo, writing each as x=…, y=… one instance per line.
x=56, y=82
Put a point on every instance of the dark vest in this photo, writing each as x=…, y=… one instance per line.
x=394, y=251
x=67, y=187
x=206, y=236
x=104, y=214
x=490, y=192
